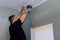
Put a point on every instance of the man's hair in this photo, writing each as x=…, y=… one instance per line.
x=10, y=18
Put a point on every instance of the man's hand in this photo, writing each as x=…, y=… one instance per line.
x=22, y=8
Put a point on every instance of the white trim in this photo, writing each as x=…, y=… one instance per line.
x=39, y=3
x=36, y=3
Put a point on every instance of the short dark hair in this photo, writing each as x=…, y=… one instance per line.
x=10, y=18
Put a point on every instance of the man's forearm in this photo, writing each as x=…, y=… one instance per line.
x=20, y=12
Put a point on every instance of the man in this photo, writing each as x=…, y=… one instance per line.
x=16, y=21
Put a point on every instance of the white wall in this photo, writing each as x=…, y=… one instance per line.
x=46, y=13
x=4, y=23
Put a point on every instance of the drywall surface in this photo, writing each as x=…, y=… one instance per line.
x=47, y=13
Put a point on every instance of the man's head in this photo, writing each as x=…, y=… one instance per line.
x=11, y=18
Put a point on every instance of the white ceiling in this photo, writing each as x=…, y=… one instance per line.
x=16, y=4
x=13, y=3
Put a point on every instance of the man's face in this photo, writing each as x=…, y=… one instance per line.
x=13, y=19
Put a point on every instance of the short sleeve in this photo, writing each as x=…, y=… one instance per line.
x=19, y=22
